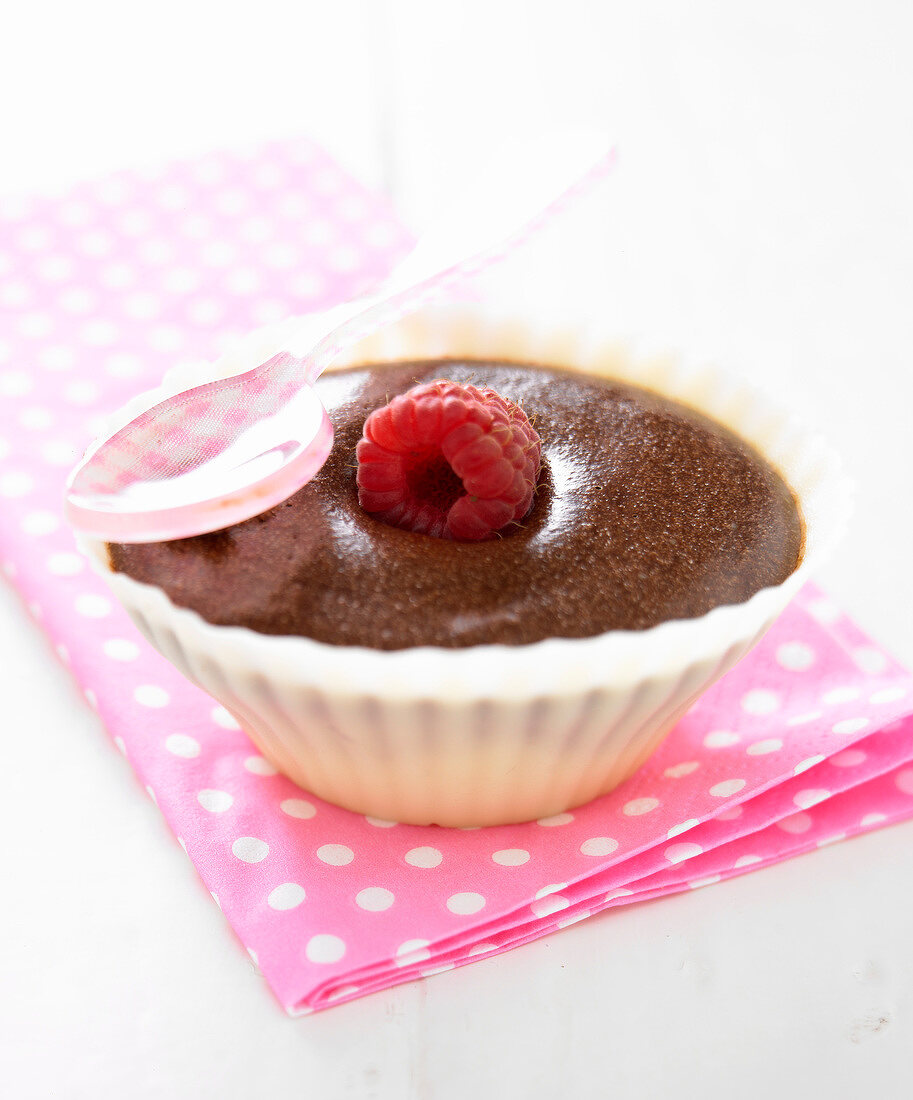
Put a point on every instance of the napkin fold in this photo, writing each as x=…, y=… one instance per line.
x=806, y=742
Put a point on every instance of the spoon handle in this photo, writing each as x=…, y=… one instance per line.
x=502, y=205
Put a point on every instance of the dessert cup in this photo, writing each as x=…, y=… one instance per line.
x=487, y=734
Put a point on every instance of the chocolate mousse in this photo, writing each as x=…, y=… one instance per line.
x=644, y=511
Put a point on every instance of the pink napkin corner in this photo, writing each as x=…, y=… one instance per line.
x=806, y=742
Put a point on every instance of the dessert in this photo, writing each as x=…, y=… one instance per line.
x=482, y=732
x=644, y=511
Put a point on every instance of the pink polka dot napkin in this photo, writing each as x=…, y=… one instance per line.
x=806, y=742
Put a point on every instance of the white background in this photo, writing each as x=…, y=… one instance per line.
x=762, y=212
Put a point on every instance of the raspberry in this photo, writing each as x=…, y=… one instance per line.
x=451, y=461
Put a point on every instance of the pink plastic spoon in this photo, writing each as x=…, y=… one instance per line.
x=230, y=449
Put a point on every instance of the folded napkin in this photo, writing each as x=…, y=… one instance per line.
x=806, y=742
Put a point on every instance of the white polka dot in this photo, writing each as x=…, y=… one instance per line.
x=249, y=849
x=65, y=564
x=381, y=822
x=887, y=695
x=443, y=968
x=180, y=744
x=166, y=338
x=268, y=176
x=122, y=364
x=849, y=758
x=95, y=243
x=308, y=284
x=117, y=276
x=4, y=447
x=324, y=948
x=56, y=357
x=9, y=568
x=219, y=254
x=482, y=949
x=297, y=807
x=268, y=310
x=256, y=229
x=575, y=918
x=824, y=611
x=555, y=819
x=720, y=739
x=545, y=907
x=230, y=202
x=151, y=695
x=173, y=197
x=840, y=695
x=710, y=880
x=63, y=653
x=850, y=725
x=205, y=311
x=465, y=903
x=120, y=649
x=677, y=830
x=196, y=227
x=77, y=300
x=747, y=861
x=281, y=255
x=15, y=484
x=92, y=606
x=91, y=698
x=726, y=788
x=804, y=765
x=831, y=839
x=40, y=523
x=142, y=305
x=74, y=212
x=678, y=853
x=288, y=895
x=34, y=238
x=374, y=899
x=760, y=701
x=762, y=748
x=872, y=819
x=217, y=802
x=156, y=252
x=811, y=797
x=679, y=771
x=121, y=747
x=180, y=280
x=599, y=846
x=336, y=855
x=904, y=781
x=222, y=718
x=35, y=325
x=151, y=794
x=803, y=719
x=552, y=888
x=423, y=857
x=14, y=295
x=796, y=823
x=870, y=660
x=511, y=857
x=638, y=806
x=259, y=765
x=730, y=814
x=243, y=281
x=82, y=392
x=412, y=951
x=55, y=268
x=98, y=333
x=36, y=418
x=621, y=892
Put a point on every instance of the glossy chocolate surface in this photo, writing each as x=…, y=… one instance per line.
x=645, y=511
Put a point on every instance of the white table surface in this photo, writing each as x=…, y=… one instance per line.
x=762, y=211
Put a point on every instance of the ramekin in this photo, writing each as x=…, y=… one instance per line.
x=487, y=735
